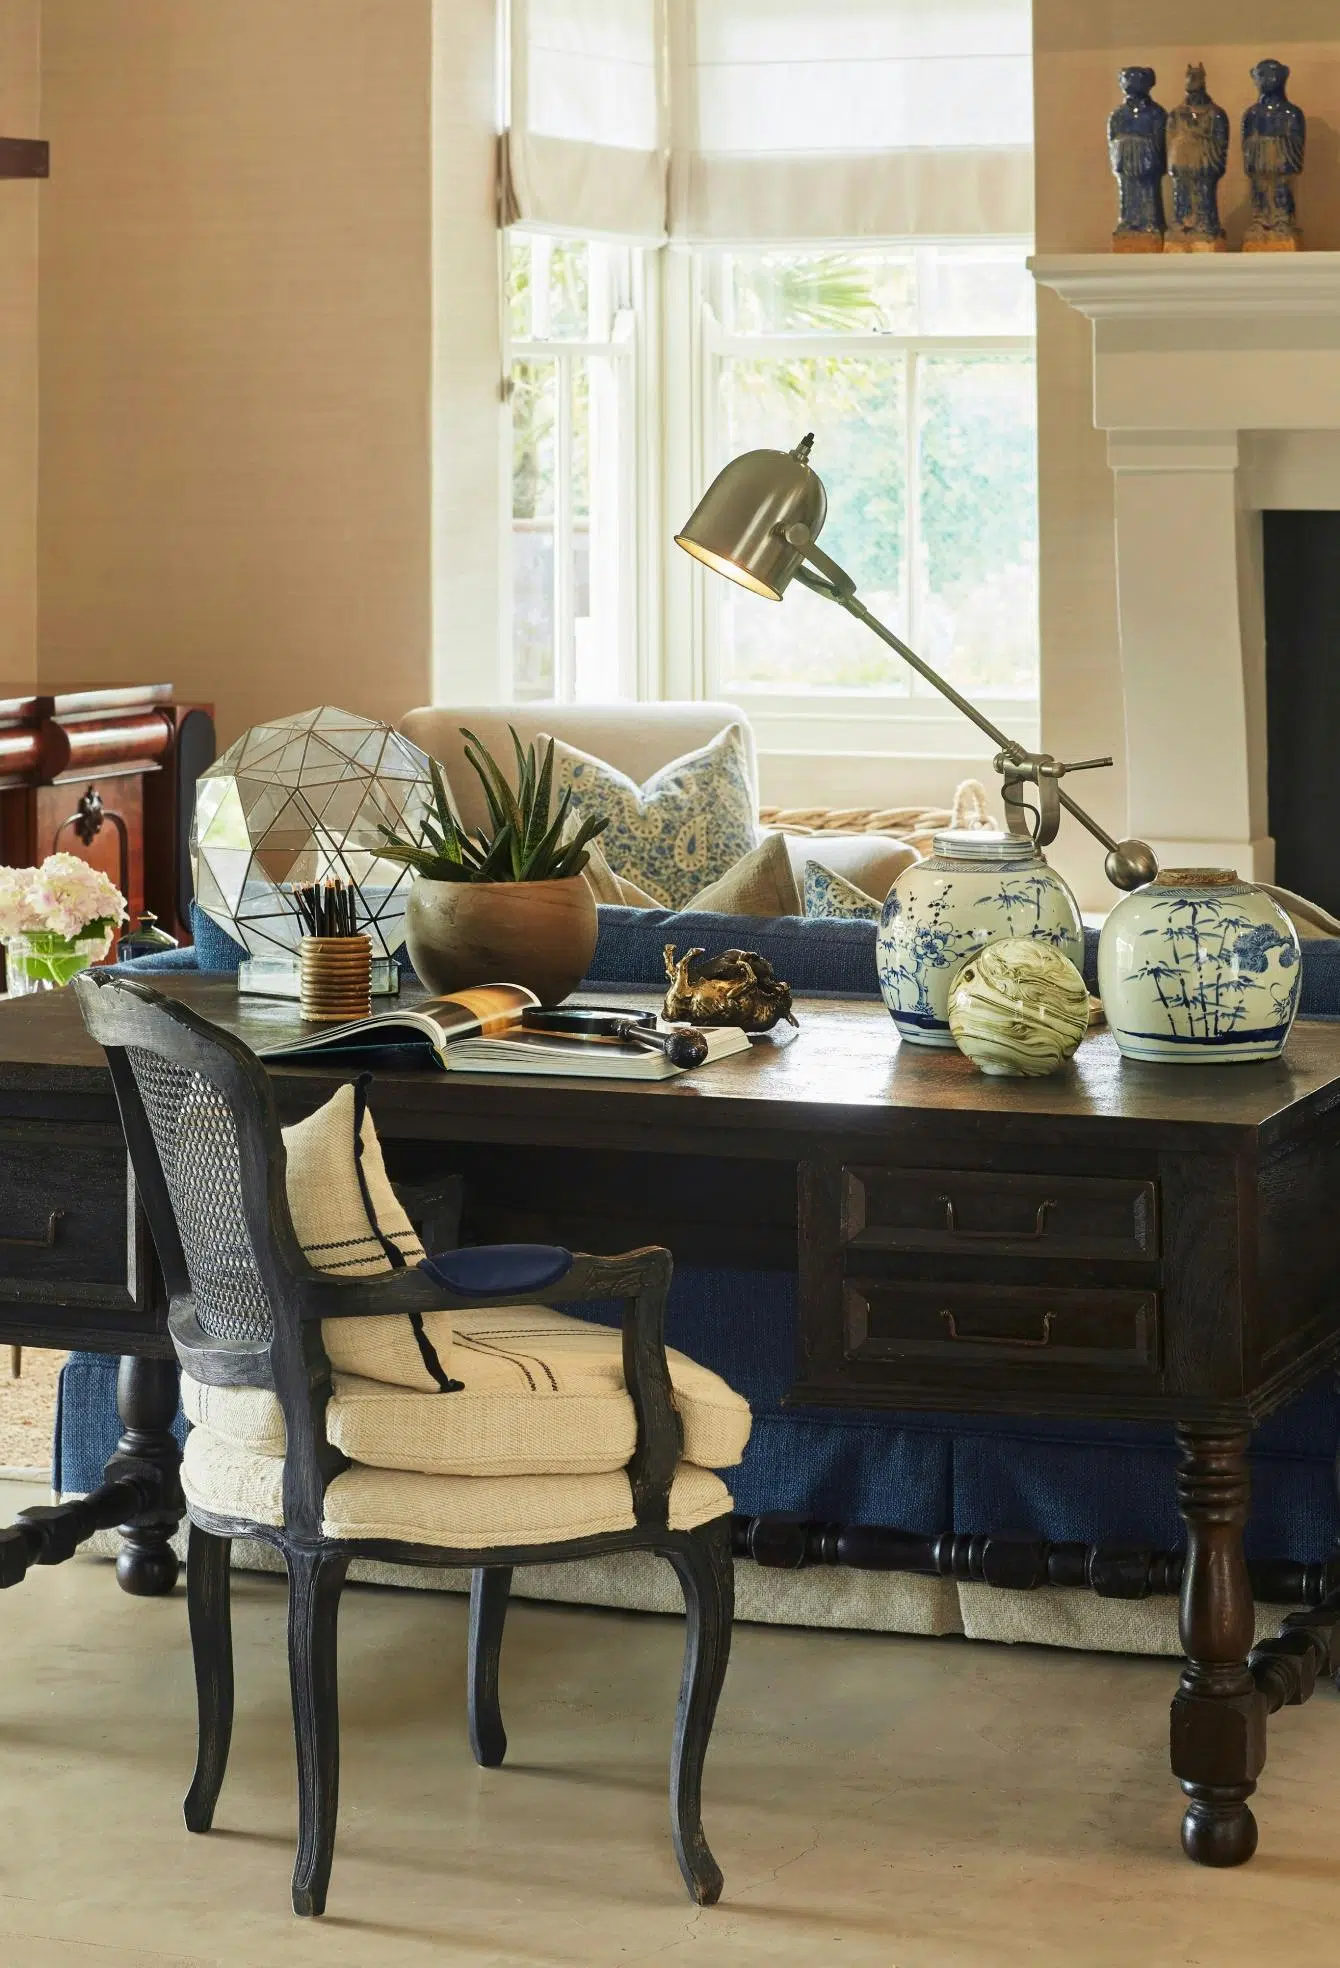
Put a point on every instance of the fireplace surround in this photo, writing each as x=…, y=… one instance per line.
x=1216, y=378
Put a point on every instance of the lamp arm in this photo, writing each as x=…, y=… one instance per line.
x=1129, y=863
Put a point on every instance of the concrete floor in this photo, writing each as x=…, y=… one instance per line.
x=894, y=1802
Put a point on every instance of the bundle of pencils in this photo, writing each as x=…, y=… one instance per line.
x=328, y=908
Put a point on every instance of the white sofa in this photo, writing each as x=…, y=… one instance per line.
x=637, y=739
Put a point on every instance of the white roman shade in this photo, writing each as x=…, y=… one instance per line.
x=583, y=151
x=850, y=119
x=751, y=120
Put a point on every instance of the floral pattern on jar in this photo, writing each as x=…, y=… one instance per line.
x=978, y=887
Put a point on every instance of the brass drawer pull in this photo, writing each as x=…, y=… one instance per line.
x=997, y=1236
x=997, y=1339
x=37, y=1243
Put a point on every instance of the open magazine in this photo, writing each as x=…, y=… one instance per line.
x=480, y=1031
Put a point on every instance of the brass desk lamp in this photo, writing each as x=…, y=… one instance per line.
x=758, y=523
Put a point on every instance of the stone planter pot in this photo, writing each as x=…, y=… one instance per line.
x=1199, y=967
x=976, y=888
x=540, y=934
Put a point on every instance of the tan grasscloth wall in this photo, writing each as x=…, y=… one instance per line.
x=20, y=116
x=1078, y=47
x=237, y=345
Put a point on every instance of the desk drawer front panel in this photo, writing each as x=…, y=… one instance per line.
x=65, y=1222
x=973, y=1213
x=899, y=1322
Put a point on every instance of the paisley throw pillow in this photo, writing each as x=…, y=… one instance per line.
x=683, y=829
x=827, y=894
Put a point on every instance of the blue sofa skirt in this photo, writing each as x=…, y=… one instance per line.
x=926, y=1473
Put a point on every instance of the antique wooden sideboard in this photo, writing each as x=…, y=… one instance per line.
x=95, y=770
x=1139, y=1242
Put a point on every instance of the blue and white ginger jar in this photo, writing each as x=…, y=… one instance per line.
x=978, y=887
x=1199, y=967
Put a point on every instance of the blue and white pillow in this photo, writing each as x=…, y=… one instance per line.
x=827, y=894
x=690, y=822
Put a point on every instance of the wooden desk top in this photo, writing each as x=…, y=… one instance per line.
x=845, y=1072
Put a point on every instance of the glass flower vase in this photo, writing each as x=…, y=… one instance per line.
x=43, y=960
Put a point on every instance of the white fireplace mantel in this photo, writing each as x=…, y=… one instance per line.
x=1216, y=377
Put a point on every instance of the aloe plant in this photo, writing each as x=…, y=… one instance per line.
x=524, y=844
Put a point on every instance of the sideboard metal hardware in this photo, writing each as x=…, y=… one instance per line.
x=997, y=1339
x=37, y=1243
x=994, y=1236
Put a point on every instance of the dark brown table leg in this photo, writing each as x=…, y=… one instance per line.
x=1218, y=1713
x=146, y=1400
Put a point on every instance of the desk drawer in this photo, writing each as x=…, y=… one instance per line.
x=972, y=1213
x=66, y=1225
x=895, y=1322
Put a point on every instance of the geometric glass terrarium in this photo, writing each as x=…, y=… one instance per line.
x=300, y=800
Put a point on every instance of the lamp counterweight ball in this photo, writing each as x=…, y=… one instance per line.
x=758, y=524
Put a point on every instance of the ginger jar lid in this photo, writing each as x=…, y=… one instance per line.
x=984, y=844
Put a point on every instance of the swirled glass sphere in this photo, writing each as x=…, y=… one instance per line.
x=1018, y=1009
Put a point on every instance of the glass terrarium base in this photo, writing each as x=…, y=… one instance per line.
x=278, y=977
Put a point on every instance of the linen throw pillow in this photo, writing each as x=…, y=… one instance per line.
x=762, y=884
x=681, y=830
x=349, y=1220
x=827, y=894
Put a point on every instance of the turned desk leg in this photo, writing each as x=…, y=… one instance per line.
x=1218, y=1713
x=146, y=1400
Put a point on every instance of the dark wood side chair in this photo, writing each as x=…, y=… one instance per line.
x=246, y=1311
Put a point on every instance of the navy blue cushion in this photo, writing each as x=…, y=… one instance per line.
x=499, y=1270
x=822, y=954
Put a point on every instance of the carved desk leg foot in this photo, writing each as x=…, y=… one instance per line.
x=1218, y=1713
x=146, y=1400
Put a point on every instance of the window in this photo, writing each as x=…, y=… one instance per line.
x=571, y=392
x=914, y=366
x=915, y=369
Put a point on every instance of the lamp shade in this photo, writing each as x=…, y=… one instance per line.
x=739, y=526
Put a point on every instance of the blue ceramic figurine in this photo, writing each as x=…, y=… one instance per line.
x=1136, y=132
x=1197, y=138
x=1274, y=132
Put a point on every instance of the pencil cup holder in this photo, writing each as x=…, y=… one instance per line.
x=335, y=977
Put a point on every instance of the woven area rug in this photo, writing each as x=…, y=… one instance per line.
x=28, y=1409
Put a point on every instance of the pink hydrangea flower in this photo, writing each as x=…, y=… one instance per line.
x=17, y=913
x=64, y=895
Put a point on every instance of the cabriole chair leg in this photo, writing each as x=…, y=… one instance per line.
x=315, y=1580
x=208, y=1607
x=707, y=1576
x=489, y=1587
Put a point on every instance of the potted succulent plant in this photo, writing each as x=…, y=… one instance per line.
x=506, y=904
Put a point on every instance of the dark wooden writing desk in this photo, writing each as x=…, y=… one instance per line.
x=1138, y=1242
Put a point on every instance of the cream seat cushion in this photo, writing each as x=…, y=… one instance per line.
x=543, y=1394
x=469, y=1512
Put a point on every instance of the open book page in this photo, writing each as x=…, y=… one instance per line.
x=432, y=1023
x=546, y=1053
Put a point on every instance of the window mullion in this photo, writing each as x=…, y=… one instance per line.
x=565, y=632
x=912, y=482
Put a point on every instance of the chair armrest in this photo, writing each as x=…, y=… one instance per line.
x=499, y=1270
